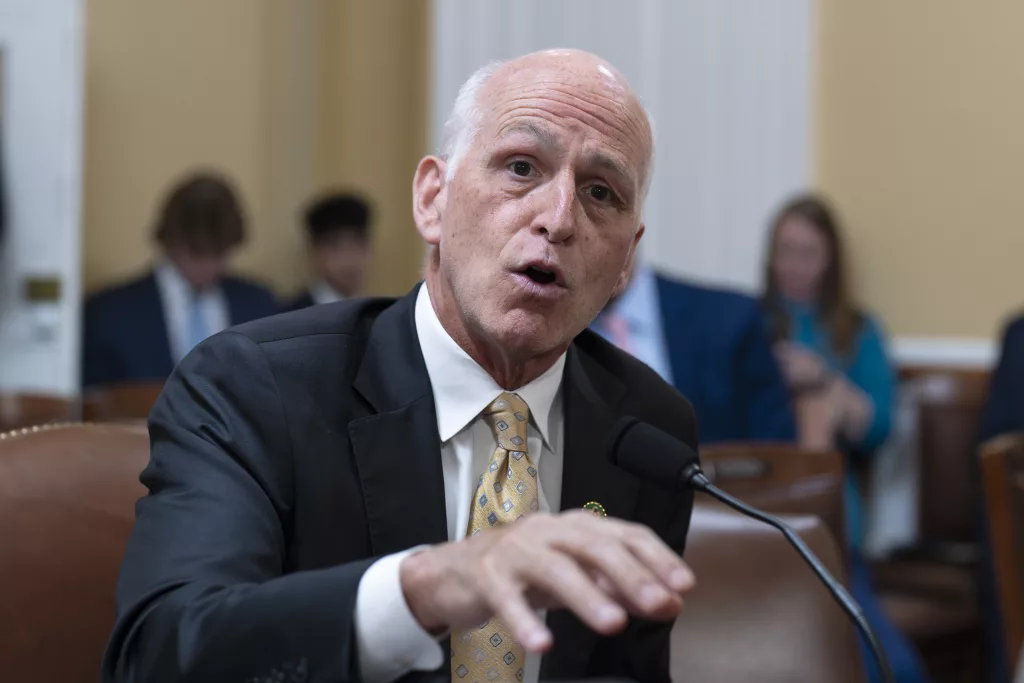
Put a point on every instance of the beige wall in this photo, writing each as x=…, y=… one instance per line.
x=289, y=98
x=374, y=128
x=920, y=139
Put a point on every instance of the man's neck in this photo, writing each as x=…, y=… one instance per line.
x=508, y=370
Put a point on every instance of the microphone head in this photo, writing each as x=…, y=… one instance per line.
x=651, y=454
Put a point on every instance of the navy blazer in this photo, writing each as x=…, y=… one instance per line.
x=722, y=361
x=1004, y=411
x=125, y=333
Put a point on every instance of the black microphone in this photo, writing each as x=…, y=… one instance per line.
x=662, y=459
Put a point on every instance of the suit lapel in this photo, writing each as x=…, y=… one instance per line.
x=397, y=449
x=591, y=394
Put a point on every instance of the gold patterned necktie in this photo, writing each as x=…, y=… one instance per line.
x=505, y=492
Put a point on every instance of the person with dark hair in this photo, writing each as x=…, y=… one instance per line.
x=338, y=234
x=834, y=358
x=139, y=330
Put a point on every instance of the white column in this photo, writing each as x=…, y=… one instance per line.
x=41, y=138
x=727, y=82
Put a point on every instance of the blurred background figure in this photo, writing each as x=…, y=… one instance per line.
x=833, y=356
x=1003, y=413
x=139, y=330
x=1004, y=410
x=710, y=344
x=338, y=238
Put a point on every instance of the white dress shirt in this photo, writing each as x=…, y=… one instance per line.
x=391, y=643
x=323, y=293
x=176, y=295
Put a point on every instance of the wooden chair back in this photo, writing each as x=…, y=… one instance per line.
x=1002, y=472
x=781, y=478
x=18, y=410
x=950, y=404
x=130, y=402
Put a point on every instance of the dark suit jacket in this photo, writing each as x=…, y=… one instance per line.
x=125, y=335
x=722, y=362
x=288, y=454
x=1004, y=411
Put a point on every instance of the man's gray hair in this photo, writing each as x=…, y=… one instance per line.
x=464, y=123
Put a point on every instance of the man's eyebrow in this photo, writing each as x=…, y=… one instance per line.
x=544, y=136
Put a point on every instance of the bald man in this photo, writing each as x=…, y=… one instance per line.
x=419, y=488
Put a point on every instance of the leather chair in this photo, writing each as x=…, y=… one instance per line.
x=25, y=409
x=67, y=505
x=130, y=402
x=758, y=612
x=1002, y=471
x=781, y=478
x=930, y=590
x=950, y=405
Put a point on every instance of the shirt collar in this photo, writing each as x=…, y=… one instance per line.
x=462, y=388
x=171, y=280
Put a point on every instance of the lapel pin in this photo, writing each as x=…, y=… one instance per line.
x=595, y=509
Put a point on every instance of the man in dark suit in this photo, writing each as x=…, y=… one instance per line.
x=338, y=235
x=378, y=489
x=712, y=346
x=139, y=330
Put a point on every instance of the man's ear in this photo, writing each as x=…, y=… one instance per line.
x=429, y=193
x=627, y=270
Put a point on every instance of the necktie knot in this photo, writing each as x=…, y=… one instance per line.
x=508, y=417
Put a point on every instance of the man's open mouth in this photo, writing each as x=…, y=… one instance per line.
x=540, y=275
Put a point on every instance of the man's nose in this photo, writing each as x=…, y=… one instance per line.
x=557, y=219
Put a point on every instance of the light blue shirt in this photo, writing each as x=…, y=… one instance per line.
x=640, y=307
x=189, y=317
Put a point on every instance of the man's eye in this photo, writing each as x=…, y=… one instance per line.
x=600, y=193
x=522, y=168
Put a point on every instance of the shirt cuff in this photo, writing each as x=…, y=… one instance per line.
x=390, y=641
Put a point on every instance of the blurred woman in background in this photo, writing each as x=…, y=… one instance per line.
x=833, y=356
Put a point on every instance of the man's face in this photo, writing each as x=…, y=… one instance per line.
x=201, y=269
x=537, y=227
x=340, y=259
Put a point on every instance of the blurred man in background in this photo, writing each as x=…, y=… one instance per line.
x=711, y=345
x=139, y=330
x=338, y=232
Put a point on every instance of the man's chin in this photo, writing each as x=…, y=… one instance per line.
x=531, y=334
